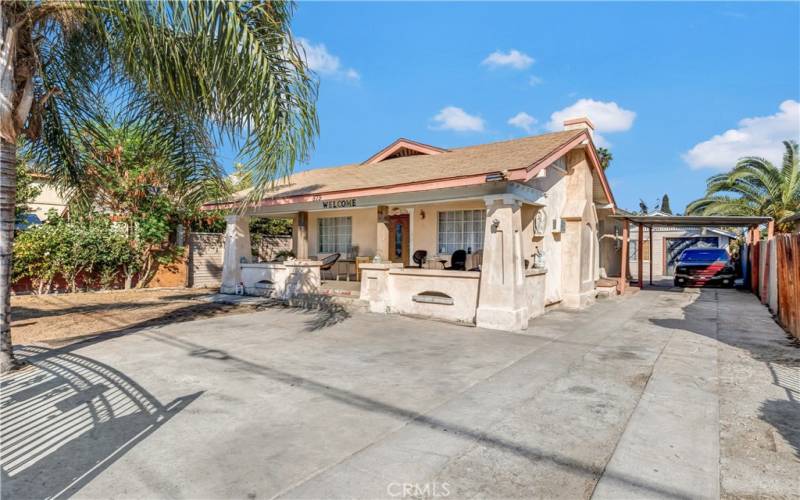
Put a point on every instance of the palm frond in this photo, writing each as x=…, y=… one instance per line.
x=233, y=66
x=790, y=170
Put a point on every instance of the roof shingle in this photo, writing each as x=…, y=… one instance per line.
x=458, y=162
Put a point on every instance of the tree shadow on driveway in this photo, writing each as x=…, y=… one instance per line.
x=780, y=353
x=67, y=417
x=477, y=436
x=143, y=414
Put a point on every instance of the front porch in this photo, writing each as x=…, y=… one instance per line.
x=453, y=235
x=476, y=260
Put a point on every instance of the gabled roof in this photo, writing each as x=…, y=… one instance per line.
x=403, y=147
x=517, y=159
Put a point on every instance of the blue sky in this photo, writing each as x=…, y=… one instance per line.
x=677, y=91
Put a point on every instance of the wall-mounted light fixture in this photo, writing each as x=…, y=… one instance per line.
x=422, y=214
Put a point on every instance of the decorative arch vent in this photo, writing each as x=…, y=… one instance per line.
x=433, y=297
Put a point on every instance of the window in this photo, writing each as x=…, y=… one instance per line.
x=633, y=250
x=461, y=230
x=335, y=234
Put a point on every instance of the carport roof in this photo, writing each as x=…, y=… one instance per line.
x=694, y=220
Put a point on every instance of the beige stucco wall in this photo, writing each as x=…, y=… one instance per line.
x=289, y=279
x=364, y=235
x=579, y=244
x=610, y=246
x=461, y=286
x=389, y=288
x=534, y=291
x=48, y=198
x=253, y=273
x=554, y=183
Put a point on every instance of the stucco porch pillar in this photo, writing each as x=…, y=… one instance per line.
x=300, y=235
x=237, y=246
x=382, y=233
x=501, y=302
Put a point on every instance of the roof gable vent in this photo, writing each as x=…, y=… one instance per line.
x=402, y=148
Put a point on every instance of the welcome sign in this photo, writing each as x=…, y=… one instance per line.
x=351, y=203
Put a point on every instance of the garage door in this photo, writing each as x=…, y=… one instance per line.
x=206, y=252
x=675, y=246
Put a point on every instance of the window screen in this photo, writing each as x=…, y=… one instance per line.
x=335, y=234
x=461, y=230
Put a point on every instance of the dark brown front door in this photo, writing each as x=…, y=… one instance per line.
x=398, y=238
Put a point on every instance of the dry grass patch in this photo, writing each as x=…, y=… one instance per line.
x=56, y=319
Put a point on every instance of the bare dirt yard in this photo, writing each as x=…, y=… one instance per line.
x=61, y=318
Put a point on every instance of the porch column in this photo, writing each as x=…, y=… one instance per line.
x=237, y=247
x=622, y=284
x=382, y=233
x=640, y=251
x=650, y=240
x=501, y=301
x=300, y=235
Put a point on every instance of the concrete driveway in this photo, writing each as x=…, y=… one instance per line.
x=660, y=394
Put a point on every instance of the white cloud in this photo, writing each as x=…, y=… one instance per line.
x=759, y=136
x=453, y=118
x=323, y=62
x=513, y=58
x=534, y=80
x=605, y=116
x=523, y=120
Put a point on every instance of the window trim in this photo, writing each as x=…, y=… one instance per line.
x=336, y=248
x=475, y=248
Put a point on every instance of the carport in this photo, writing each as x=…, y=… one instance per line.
x=750, y=224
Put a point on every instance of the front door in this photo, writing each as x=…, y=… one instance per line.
x=398, y=238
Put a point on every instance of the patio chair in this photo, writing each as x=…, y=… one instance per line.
x=458, y=261
x=328, y=263
x=419, y=257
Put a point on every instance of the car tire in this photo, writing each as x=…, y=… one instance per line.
x=675, y=283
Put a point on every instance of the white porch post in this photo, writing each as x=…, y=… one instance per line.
x=501, y=301
x=237, y=245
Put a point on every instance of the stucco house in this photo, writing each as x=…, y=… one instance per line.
x=48, y=198
x=528, y=213
x=668, y=244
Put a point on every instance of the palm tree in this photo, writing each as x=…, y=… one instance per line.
x=605, y=157
x=755, y=187
x=223, y=69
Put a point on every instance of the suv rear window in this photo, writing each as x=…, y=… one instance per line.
x=704, y=255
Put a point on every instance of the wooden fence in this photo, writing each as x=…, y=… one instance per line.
x=206, y=251
x=788, y=274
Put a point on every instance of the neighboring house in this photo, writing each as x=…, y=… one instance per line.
x=47, y=199
x=530, y=214
x=669, y=242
